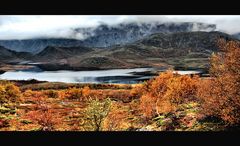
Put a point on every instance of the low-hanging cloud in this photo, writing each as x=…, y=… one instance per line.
x=26, y=27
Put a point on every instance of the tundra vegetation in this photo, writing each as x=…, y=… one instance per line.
x=167, y=102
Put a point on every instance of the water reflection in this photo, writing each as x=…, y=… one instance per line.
x=127, y=76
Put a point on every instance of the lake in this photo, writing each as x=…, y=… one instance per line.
x=126, y=76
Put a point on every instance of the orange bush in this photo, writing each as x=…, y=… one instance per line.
x=114, y=120
x=86, y=91
x=45, y=118
x=148, y=105
x=9, y=93
x=2, y=94
x=28, y=93
x=74, y=93
x=30, y=96
x=182, y=88
x=52, y=93
x=136, y=92
x=164, y=93
x=222, y=97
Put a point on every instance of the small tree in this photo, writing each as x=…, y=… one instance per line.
x=2, y=95
x=44, y=116
x=9, y=93
x=12, y=92
x=95, y=114
x=164, y=93
x=222, y=99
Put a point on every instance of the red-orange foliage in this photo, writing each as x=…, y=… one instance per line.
x=86, y=91
x=164, y=93
x=136, y=92
x=114, y=120
x=78, y=93
x=221, y=95
x=44, y=116
x=74, y=93
x=4, y=123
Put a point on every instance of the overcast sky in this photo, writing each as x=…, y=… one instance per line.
x=24, y=27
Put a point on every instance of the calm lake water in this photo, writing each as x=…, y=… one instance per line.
x=127, y=76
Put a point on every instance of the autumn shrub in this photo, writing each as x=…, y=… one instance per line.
x=52, y=94
x=114, y=121
x=221, y=94
x=33, y=97
x=74, y=93
x=136, y=91
x=28, y=93
x=9, y=93
x=45, y=118
x=13, y=92
x=95, y=114
x=2, y=94
x=117, y=95
x=86, y=91
x=4, y=123
x=182, y=88
x=164, y=93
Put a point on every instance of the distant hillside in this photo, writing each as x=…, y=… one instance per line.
x=183, y=49
x=54, y=53
x=105, y=35
x=37, y=45
x=9, y=56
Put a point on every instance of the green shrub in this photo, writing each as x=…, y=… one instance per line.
x=95, y=114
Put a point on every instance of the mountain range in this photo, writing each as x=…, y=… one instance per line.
x=179, y=49
x=105, y=35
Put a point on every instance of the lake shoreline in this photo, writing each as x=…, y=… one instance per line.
x=59, y=67
x=91, y=75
